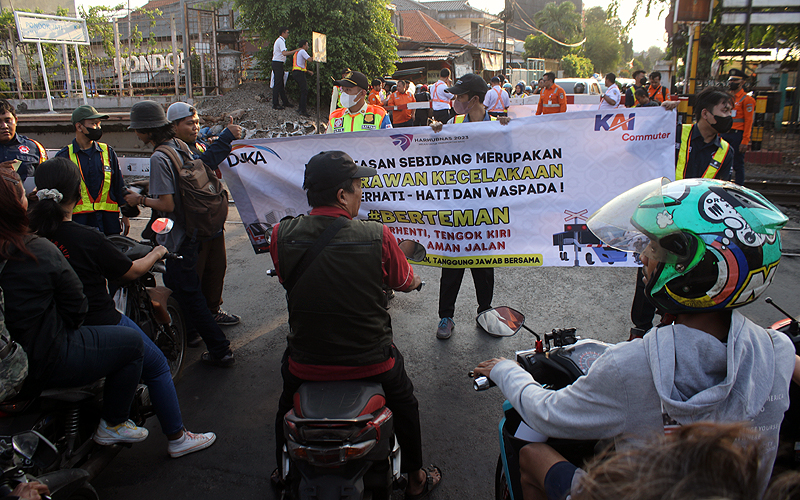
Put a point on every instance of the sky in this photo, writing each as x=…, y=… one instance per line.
x=648, y=31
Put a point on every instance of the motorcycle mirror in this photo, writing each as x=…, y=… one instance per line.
x=413, y=250
x=162, y=225
x=36, y=448
x=501, y=321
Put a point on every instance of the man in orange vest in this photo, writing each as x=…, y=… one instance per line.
x=552, y=99
x=656, y=91
x=744, y=108
x=398, y=104
x=497, y=100
x=102, y=185
x=299, y=73
x=377, y=95
x=356, y=115
x=441, y=100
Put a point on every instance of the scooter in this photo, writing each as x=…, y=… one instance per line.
x=340, y=442
x=556, y=361
x=33, y=448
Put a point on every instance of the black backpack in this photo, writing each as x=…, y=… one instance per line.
x=203, y=200
x=13, y=360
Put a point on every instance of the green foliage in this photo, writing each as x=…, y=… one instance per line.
x=606, y=41
x=359, y=33
x=561, y=22
x=575, y=66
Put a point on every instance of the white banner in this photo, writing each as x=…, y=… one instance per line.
x=475, y=194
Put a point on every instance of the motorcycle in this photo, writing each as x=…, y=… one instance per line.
x=340, y=442
x=67, y=417
x=32, y=448
x=151, y=306
x=556, y=361
x=560, y=364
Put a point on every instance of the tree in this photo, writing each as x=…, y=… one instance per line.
x=603, y=45
x=359, y=32
x=559, y=21
x=575, y=66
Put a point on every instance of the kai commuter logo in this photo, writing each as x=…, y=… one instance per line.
x=611, y=122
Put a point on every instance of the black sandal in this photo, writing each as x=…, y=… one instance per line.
x=429, y=484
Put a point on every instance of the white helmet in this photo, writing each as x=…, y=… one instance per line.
x=179, y=110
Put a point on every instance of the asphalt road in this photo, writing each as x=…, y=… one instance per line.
x=459, y=426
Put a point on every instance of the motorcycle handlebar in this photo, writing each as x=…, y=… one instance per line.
x=481, y=383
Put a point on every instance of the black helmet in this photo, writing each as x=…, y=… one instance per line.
x=147, y=114
x=580, y=88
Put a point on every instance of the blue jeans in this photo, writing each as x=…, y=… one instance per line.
x=93, y=352
x=182, y=278
x=155, y=373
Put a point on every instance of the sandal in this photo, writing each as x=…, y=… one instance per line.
x=429, y=484
x=276, y=480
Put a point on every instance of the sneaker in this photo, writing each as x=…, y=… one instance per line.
x=194, y=340
x=446, y=327
x=126, y=432
x=226, y=319
x=189, y=443
x=225, y=361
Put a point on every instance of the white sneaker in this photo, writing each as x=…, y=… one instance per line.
x=189, y=443
x=126, y=432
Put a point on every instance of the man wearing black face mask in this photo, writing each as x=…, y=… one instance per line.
x=744, y=107
x=102, y=186
x=699, y=152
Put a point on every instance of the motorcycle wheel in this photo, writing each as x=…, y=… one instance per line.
x=85, y=492
x=172, y=339
x=500, y=483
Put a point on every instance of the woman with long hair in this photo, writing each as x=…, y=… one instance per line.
x=96, y=259
x=44, y=309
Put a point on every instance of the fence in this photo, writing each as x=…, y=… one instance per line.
x=143, y=53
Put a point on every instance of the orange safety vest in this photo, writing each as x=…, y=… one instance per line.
x=295, y=66
x=103, y=202
x=435, y=92
x=660, y=91
x=499, y=100
x=683, y=155
x=342, y=121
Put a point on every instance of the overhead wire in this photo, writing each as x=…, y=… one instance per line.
x=517, y=8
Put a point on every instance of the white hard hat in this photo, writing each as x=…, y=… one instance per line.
x=179, y=110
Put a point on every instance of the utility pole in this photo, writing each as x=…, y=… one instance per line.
x=506, y=17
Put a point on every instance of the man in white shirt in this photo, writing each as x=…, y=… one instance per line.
x=611, y=98
x=496, y=100
x=279, y=54
x=441, y=99
x=299, y=73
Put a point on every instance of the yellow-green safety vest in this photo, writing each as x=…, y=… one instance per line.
x=683, y=155
x=295, y=66
x=342, y=121
x=103, y=202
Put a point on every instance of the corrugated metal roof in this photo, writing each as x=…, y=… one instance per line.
x=427, y=55
x=422, y=28
x=409, y=5
x=448, y=5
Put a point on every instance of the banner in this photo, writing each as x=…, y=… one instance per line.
x=475, y=194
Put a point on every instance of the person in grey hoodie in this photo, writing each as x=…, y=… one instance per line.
x=707, y=247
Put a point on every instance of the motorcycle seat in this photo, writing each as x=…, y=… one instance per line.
x=338, y=400
x=74, y=394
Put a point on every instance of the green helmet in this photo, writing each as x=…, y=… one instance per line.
x=717, y=244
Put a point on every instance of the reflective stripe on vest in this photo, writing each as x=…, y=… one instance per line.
x=200, y=147
x=460, y=119
x=103, y=202
x=42, y=151
x=499, y=100
x=737, y=119
x=436, y=93
x=683, y=156
x=371, y=120
x=551, y=105
x=296, y=66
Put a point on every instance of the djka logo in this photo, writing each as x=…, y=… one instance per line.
x=618, y=122
x=254, y=156
x=402, y=140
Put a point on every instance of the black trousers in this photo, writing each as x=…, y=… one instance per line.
x=302, y=82
x=642, y=310
x=399, y=398
x=443, y=115
x=734, y=138
x=278, y=88
x=450, y=283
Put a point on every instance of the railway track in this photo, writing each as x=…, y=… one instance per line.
x=786, y=194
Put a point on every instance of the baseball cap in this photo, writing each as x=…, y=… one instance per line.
x=179, y=110
x=330, y=168
x=354, y=79
x=736, y=72
x=468, y=83
x=86, y=112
